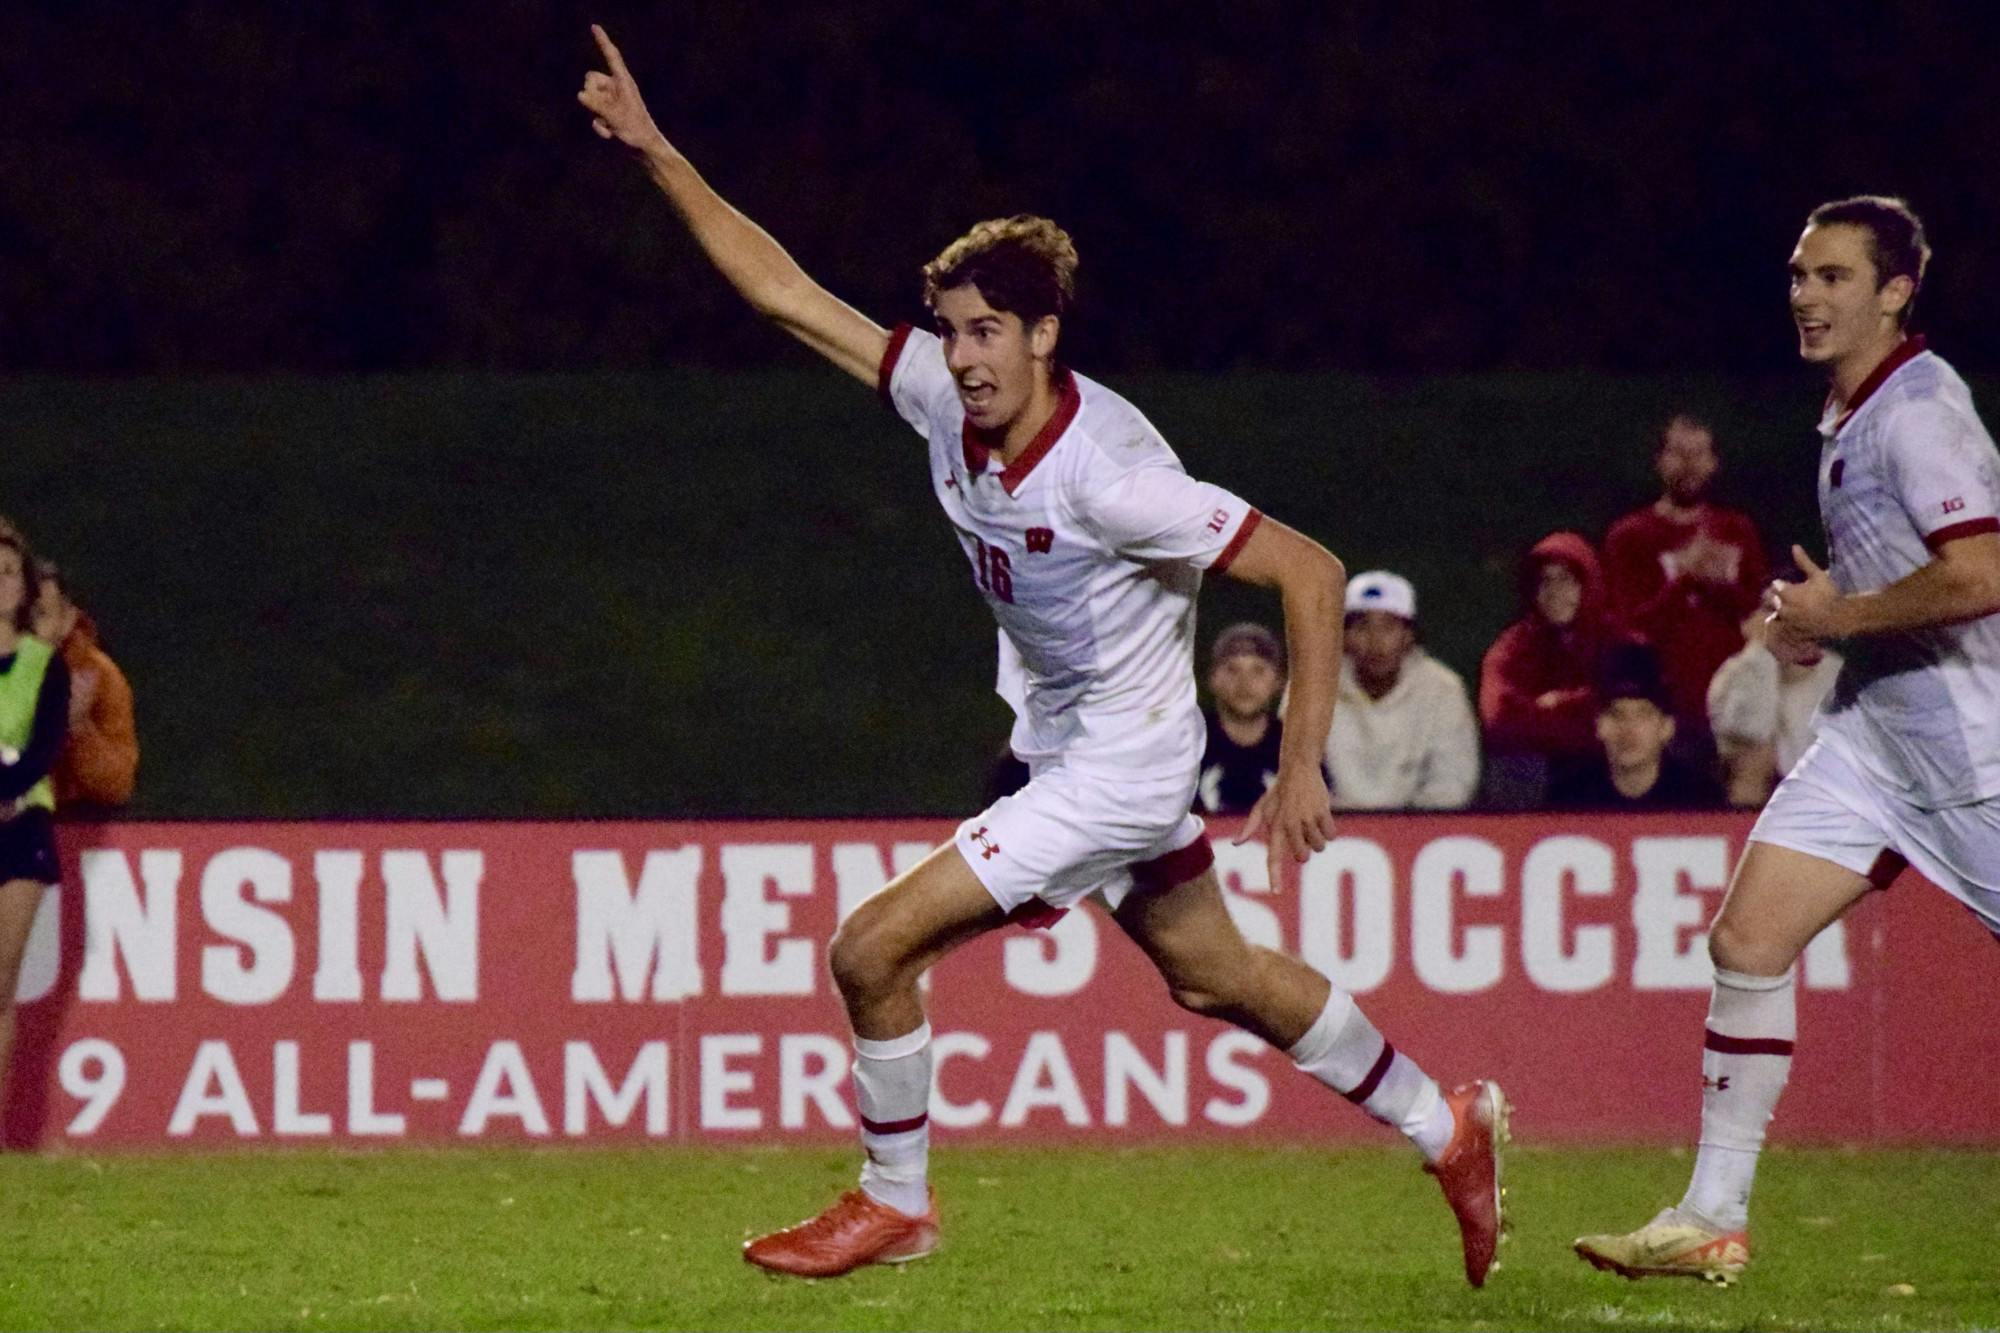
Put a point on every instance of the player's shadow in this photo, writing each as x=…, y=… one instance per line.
x=38, y=1027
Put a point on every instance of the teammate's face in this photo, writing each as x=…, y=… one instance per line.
x=1378, y=642
x=1559, y=593
x=1839, y=309
x=997, y=361
x=1634, y=733
x=1687, y=462
x=1245, y=685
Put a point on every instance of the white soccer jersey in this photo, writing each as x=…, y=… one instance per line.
x=1089, y=549
x=1904, y=469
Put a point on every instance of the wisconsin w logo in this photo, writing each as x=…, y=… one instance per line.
x=1040, y=539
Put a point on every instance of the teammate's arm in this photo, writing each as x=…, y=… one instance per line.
x=757, y=266
x=1962, y=583
x=1296, y=813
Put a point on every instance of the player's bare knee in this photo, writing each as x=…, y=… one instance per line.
x=855, y=958
x=1736, y=948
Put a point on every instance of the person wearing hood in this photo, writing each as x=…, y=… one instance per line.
x=1538, y=682
x=100, y=759
x=1403, y=735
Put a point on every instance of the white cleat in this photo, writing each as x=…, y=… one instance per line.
x=1670, y=1246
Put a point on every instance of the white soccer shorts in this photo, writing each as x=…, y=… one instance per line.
x=1068, y=834
x=1827, y=807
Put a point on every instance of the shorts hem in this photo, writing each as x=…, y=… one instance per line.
x=1819, y=853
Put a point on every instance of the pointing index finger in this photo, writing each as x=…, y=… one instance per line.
x=611, y=56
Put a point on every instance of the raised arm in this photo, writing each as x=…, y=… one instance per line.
x=757, y=266
x=1297, y=812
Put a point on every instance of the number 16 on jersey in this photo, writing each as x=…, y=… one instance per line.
x=992, y=571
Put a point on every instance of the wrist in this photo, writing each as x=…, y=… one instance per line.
x=1297, y=765
x=661, y=158
x=1837, y=621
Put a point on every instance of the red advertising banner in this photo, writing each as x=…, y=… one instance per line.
x=238, y=984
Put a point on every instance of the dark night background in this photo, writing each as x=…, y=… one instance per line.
x=416, y=462
x=1407, y=188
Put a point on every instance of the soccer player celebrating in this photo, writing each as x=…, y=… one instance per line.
x=1087, y=540
x=1906, y=769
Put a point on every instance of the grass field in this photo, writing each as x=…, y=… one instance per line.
x=1141, y=1239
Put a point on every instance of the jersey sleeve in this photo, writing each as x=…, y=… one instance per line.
x=1158, y=513
x=914, y=381
x=1944, y=472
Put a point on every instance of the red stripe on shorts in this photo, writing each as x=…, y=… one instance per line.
x=1163, y=872
x=894, y=1126
x=1035, y=914
x=1722, y=1045
x=1887, y=866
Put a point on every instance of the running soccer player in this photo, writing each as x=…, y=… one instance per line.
x=1088, y=541
x=1906, y=769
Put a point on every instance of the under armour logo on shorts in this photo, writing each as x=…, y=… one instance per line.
x=988, y=849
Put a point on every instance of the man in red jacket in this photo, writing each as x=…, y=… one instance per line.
x=1683, y=571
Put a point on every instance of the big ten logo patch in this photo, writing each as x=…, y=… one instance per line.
x=1218, y=521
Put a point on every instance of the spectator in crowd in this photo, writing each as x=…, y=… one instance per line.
x=34, y=713
x=1538, y=682
x=1635, y=725
x=100, y=760
x=1246, y=672
x=1761, y=711
x=1683, y=572
x=1403, y=732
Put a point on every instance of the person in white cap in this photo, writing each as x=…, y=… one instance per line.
x=1404, y=735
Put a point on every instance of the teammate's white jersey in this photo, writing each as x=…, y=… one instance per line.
x=1089, y=549
x=1904, y=469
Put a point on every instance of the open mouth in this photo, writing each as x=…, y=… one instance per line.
x=976, y=397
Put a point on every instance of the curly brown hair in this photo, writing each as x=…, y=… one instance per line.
x=1025, y=265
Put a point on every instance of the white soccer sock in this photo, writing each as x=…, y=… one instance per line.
x=1746, y=1058
x=892, y=1090
x=1343, y=1050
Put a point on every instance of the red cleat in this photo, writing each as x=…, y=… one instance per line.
x=1469, y=1171
x=855, y=1231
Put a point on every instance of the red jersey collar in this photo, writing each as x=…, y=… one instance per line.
x=1069, y=400
x=1898, y=357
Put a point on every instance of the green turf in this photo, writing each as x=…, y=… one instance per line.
x=1143, y=1239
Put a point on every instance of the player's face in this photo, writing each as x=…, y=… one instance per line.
x=1836, y=305
x=1634, y=732
x=1687, y=462
x=1378, y=642
x=1559, y=593
x=1245, y=685
x=997, y=361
